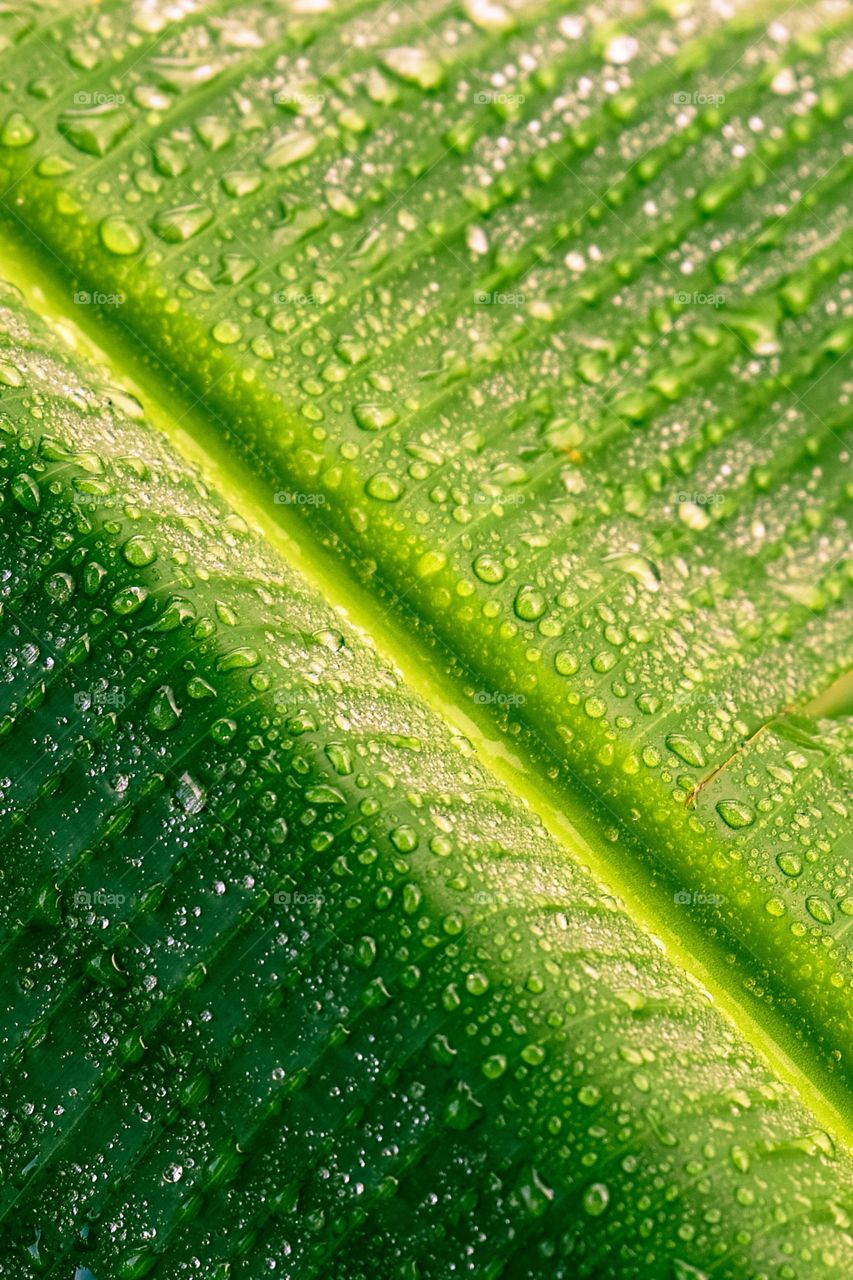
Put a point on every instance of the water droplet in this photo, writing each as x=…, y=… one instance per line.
x=384, y=487
x=128, y=600
x=694, y=516
x=26, y=492
x=53, y=167
x=639, y=567
x=529, y=603
x=820, y=910
x=163, y=711
x=138, y=551
x=238, y=659
x=60, y=587
x=340, y=757
x=412, y=899
x=17, y=131
x=290, y=149
x=240, y=184
x=686, y=749
x=589, y=1095
x=182, y=223
x=595, y=1199
x=462, y=1110
x=365, y=952
x=223, y=730
x=405, y=839
x=431, y=562
x=790, y=863
x=565, y=663
x=342, y=203
x=93, y=576
x=686, y=1271
x=373, y=417
x=735, y=813
x=198, y=688
x=489, y=569
x=213, y=132
x=120, y=236
x=95, y=130
x=535, y=1195
x=476, y=983
x=416, y=66
x=226, y=332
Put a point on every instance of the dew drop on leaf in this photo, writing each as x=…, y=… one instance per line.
x=163, y=710
x=735, y=813
x=120, y=236
x=596, y=1199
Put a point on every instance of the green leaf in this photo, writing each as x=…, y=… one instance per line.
x=531, y=332
x=575, y=403
x=280, y=951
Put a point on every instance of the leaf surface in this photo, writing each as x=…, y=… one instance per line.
x=536, y=329
x=286, y=973
x=559, y=359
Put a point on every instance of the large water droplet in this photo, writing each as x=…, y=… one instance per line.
x=138, y=551
x=529, y=603
x=735, y=813
x=595, y=1199
x=26, y=492
x=17, y=131
x=288, y=150
x=373, y=417
x=686, y=749
x=119, y=236
x=163, y=711
x=820, y=910
x=384, y=487
x=182, y=223
x=95, y=130
x=414, y=65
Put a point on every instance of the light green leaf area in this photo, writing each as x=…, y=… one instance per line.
x=533, y=324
